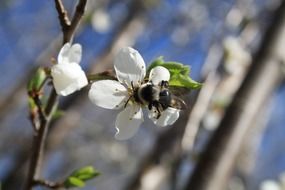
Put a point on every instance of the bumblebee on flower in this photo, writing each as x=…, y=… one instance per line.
x=131, y=93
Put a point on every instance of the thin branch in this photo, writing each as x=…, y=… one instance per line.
x=109, y=74
x=62, y=15
x=199, y=108
x=79, y=12
x=43, y=83
x=34, y=121
x=41, y=112
x=37, y=147
x=46, y=115
x=49, y=184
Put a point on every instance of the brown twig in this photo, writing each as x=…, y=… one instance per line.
x=41, y=112
x=45, y=116
x=109, y=74
x=79, y=11
x=37, y=147
x=34, y=122
x=62, y=15
x=49, y=184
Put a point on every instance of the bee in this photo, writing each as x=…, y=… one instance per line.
x=156, y=96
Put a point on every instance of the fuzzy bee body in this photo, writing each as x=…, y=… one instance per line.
x=157, y=96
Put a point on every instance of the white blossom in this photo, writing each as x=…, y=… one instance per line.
x=270, y=185
x=67, y=74
x=130, y=71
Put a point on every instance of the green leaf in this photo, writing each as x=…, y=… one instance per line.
x=80, y=176
x=31, y=103
x=86, y=173
x=179, y=73
x=37, y=80
x=184, y=81
x=173, y=67
x=73, y=182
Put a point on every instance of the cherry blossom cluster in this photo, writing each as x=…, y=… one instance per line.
x=130, y=69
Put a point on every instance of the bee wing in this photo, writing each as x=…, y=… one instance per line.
x=178, y=103
x=179, y=91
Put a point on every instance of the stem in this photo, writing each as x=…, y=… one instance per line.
x=62, y=15
x=45, y=116
x=49, y=184
x=79, y=12
x=101, y=76
x=40, y=138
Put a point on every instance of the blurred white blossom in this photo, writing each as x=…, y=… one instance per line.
x=274, y=185
x=236, y=55
x=270, y=185
x=101, y=21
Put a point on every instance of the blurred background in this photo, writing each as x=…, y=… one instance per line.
x=219, y=39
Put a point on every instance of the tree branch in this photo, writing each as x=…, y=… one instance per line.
x=49, y=184
x=79, y=12
x=62, y=15
x=214, y=167
x=37, y=148
x=39, y=139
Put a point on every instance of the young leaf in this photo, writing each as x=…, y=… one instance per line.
x=86, y=173
x=184, y=81
x=179, y=74
x=173, y=67
x=37, y=80
x=31, y=103
x=73, y=182
x=80, y=176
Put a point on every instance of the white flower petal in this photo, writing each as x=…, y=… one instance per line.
x=168, y=116
x=108, y=94
x=70, y=54
x=270, y=185
x=158, y=74
x=75, y=53
x=129, y=66
x=63, y=53
x=67, y=78
x=128, y=122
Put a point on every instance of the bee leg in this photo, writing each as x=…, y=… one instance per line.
x=132, y=84
x=133, y=88
x=150, y=106
x=158, y=113
x=156, y=104
x=127, y=101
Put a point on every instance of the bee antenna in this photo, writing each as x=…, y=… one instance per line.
x=132, y=84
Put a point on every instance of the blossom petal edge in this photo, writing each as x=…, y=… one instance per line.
x=129, y=66
x=109, y=94
x=128, y=122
